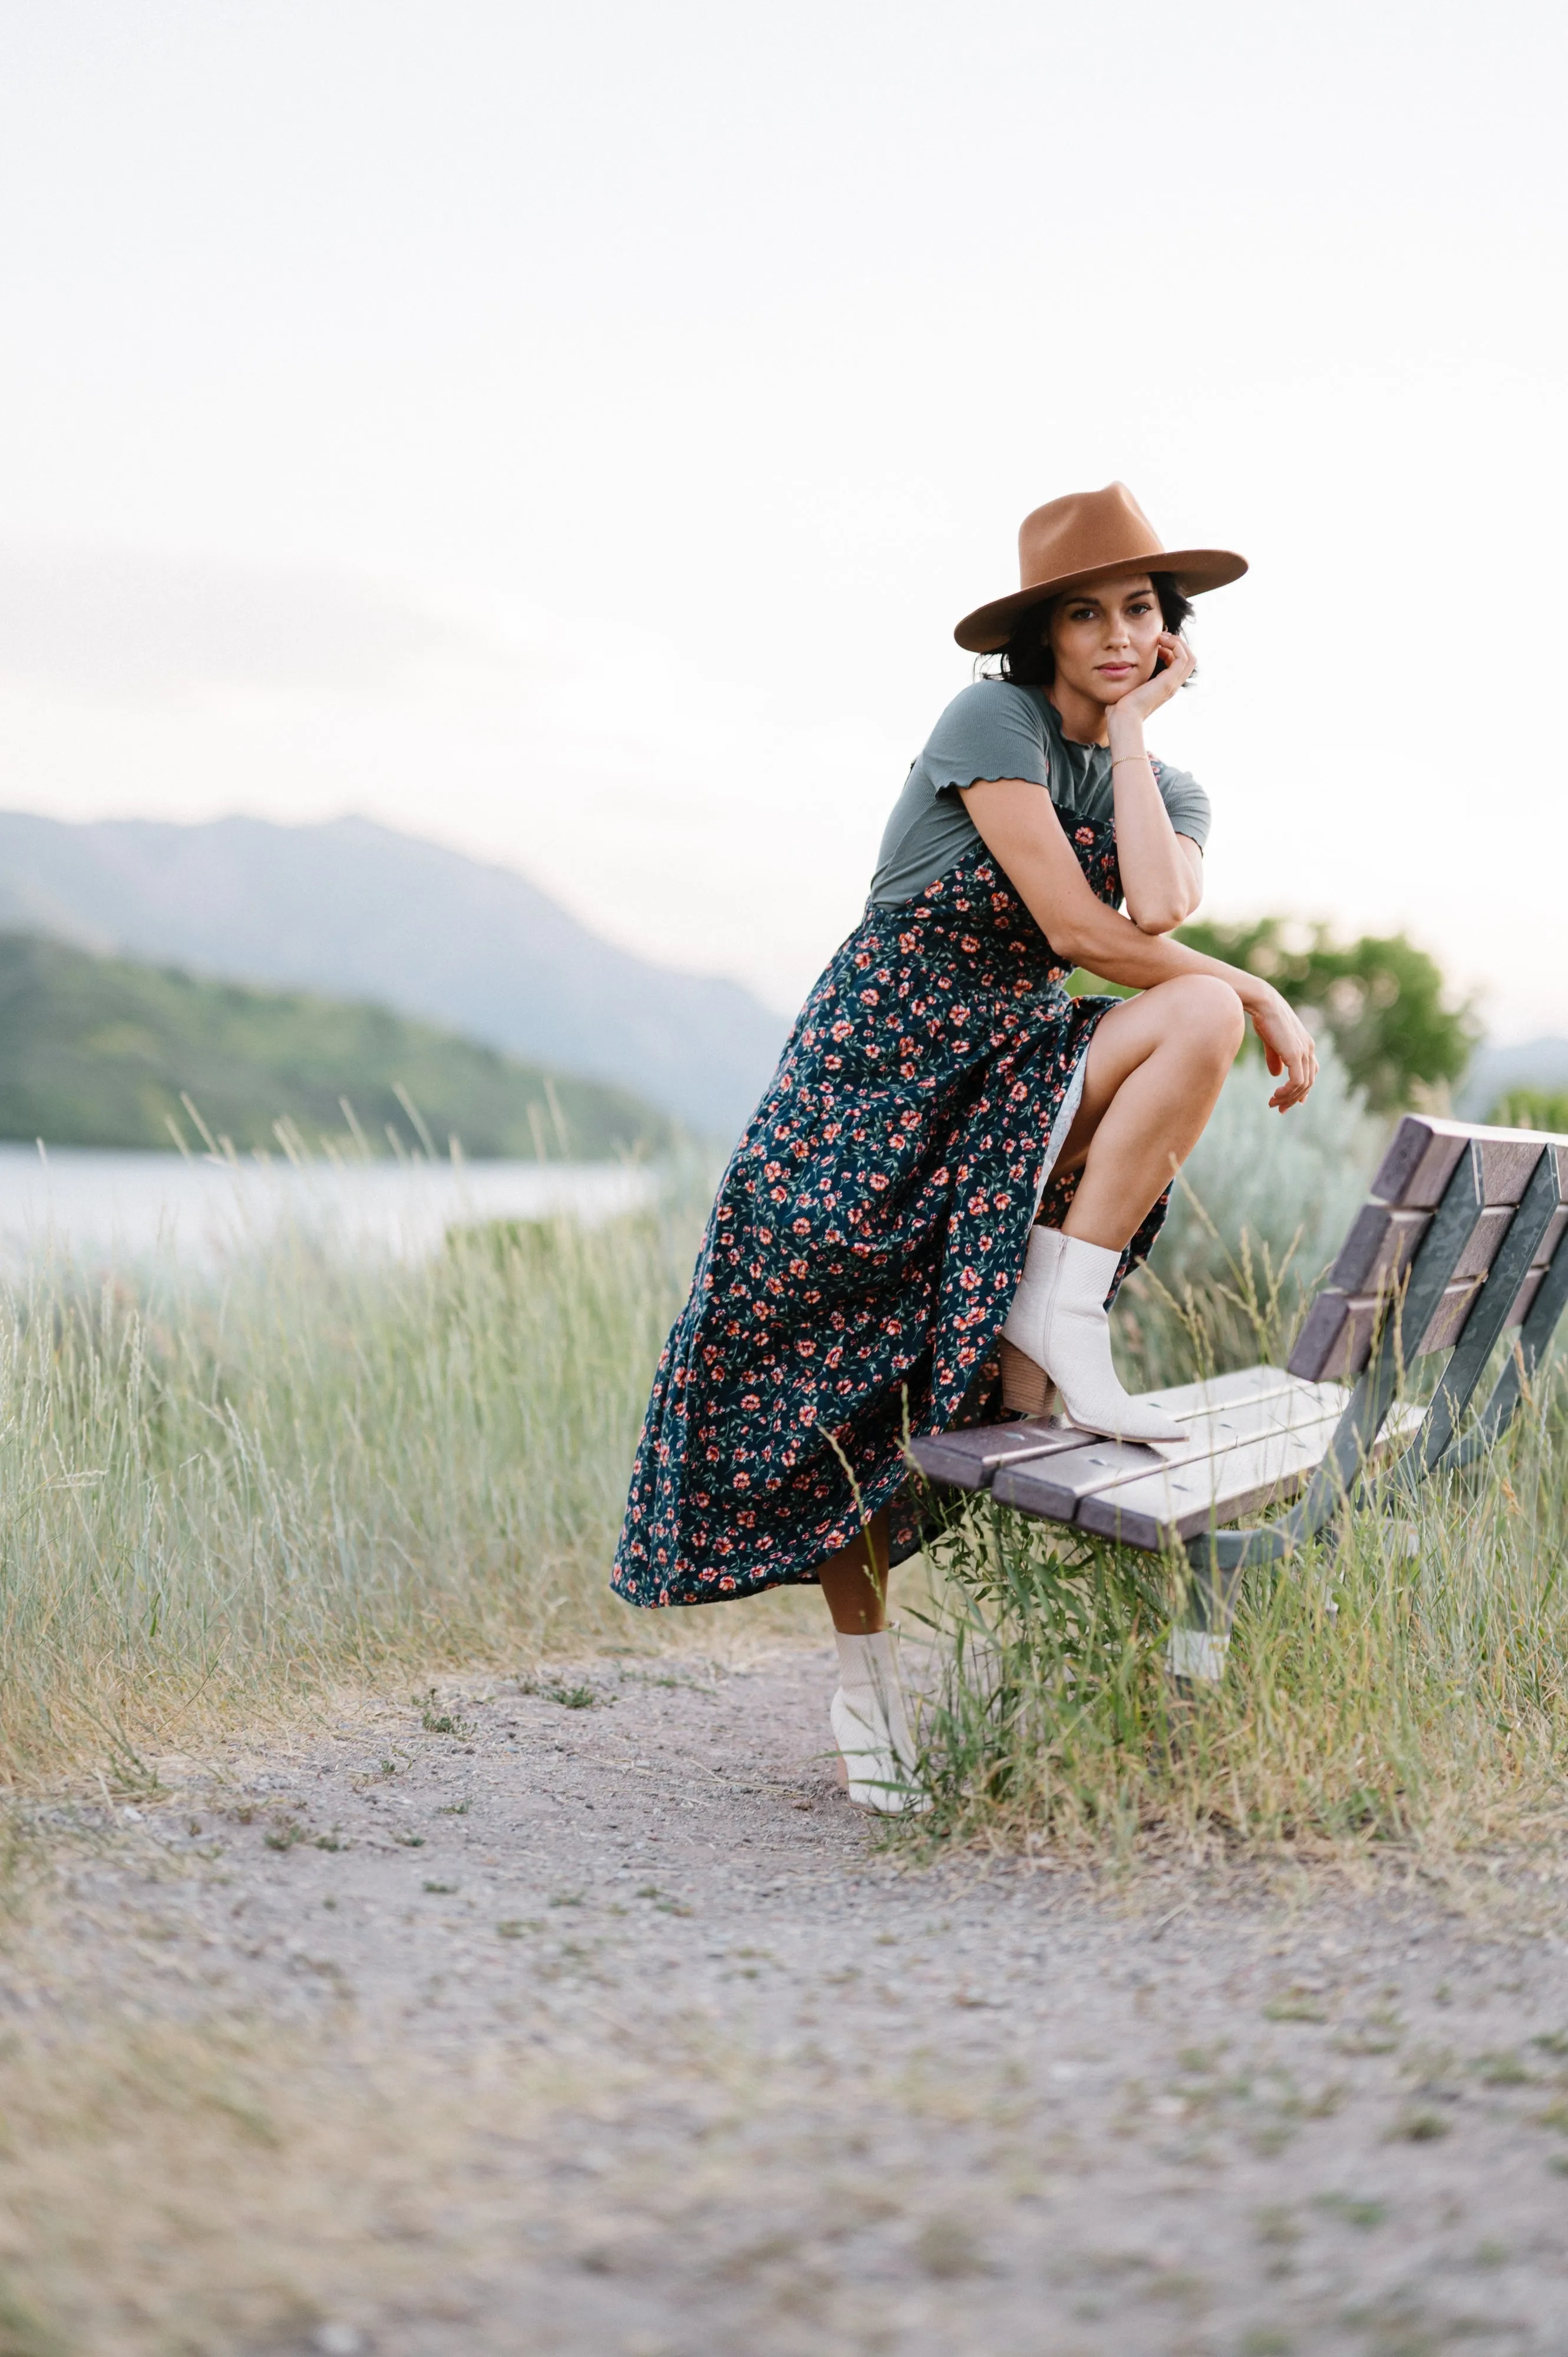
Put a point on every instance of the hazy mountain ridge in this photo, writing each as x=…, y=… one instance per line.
x=357, y=910
x=99, y=1052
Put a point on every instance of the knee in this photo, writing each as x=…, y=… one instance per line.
x=1208, y=1017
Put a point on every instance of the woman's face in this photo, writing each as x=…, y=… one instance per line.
x=1105, y=638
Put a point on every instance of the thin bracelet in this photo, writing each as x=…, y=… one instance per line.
x=1123, y=757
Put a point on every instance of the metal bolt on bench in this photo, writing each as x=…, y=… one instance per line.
x=1460, y=1241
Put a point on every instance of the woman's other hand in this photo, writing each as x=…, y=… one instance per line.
x=1288, y=1046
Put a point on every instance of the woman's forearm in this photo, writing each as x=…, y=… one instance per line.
x=1112, y=946
x=1156, y=875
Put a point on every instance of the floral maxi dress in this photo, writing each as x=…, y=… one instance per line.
x=866, y=1241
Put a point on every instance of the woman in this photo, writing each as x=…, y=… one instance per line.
x=956, y=1163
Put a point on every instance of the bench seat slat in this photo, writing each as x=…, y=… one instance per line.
x=1162, y=1511
x=1221, y=1391
x=1059, y=1486
x=970, y=1457
x=1180, y=1501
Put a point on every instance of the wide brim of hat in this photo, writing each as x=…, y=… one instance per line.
x=1195, y=570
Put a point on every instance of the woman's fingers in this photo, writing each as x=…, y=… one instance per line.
x=1179, y=655
x=1291, y=1056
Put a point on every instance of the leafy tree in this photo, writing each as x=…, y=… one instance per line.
x=1381, y=999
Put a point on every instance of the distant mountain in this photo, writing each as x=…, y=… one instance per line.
x=358, y=911
x=97, y=1052
x=1526, y=1064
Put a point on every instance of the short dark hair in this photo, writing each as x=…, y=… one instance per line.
x=1026, y=659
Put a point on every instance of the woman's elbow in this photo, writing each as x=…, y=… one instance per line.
x=1158, y=916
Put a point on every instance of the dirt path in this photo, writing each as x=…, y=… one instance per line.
x=607, y=2029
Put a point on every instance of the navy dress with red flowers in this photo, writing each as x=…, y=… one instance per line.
x=866, y=1242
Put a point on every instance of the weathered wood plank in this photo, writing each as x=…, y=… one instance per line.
x=1557, y=1226
x=1154, y=1513
x=1419, y=1163
x=1334, y=1341
x=1164, y=1509
x=1447, y=1321
x=1524, y=1299
x=1424, y=1151
x=1221, y=1391
x=1486, y=1241
x=1379, y=1249
x=1058, y=1485
x=969, y=1459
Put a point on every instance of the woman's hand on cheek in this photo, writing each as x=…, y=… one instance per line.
x=1159, y=688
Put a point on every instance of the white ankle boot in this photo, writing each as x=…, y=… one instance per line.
x=871, y=1727
x=1059, y=1320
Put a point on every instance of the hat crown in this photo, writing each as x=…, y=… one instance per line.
x=1087, y=532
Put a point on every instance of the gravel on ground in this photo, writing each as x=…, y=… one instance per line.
x=583, y=2015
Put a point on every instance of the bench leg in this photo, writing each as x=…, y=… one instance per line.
x=1196, y=1656
x=1197, y=1648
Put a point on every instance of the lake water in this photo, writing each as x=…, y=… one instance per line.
x=105, y=1209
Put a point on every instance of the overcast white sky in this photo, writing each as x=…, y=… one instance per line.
x=572, y=432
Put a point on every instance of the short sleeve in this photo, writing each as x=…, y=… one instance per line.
x=1186, y=804
x=990, y=730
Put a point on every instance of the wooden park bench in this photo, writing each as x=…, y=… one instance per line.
x=1459, y=1243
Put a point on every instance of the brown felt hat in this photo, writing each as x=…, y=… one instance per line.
x=1069, y=542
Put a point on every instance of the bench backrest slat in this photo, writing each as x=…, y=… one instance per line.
x=1414, y=1175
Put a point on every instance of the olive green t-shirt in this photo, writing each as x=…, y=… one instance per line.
x=996, y=729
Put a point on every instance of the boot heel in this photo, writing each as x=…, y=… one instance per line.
x=1027, y=1389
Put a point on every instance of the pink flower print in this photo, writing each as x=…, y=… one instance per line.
x=1084, y=834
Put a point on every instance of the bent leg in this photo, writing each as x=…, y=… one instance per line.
x=1155, y=1068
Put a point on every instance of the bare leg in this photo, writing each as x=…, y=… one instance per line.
x=1156, y=1066
x=855, y=1582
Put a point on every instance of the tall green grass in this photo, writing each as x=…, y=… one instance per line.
x=216, y=1492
